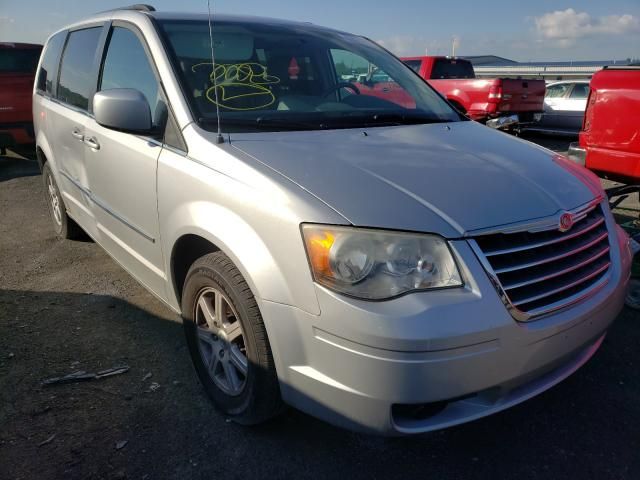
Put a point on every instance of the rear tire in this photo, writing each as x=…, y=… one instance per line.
x=64, y=226
x=228, y=341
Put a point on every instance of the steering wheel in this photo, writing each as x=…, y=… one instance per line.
x=340, y=85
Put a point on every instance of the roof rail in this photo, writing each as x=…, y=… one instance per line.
x=140, y=7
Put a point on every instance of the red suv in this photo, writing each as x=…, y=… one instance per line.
x=610, y=137
x=18, y=62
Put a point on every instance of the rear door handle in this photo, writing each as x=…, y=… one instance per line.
x=92, y=143
x=77, y=134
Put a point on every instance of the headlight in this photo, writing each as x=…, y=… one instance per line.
x=374, y=264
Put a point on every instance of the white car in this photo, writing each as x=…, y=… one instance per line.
x=564, y=106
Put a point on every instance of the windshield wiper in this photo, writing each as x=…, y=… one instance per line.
x=405, y=119
x=264, y=123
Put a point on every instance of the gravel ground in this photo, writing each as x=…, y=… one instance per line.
x=66, y=306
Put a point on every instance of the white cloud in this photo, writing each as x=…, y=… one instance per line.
x=566, y=26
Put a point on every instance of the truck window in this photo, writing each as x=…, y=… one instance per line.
x=452, y=68
x=49, y=66
x=126, y=65
x=18, y=60
x=414, y=65
x=76, y=72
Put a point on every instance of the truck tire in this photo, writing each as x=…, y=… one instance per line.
x=228, y=341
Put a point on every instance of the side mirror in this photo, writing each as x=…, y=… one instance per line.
x=124, y=109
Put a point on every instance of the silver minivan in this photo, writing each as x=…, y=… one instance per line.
x=335, y=236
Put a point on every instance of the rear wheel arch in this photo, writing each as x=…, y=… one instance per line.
x=40, y=157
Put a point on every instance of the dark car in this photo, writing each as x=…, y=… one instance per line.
x=18, y=63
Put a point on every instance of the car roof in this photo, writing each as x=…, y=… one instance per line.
x=131, y=13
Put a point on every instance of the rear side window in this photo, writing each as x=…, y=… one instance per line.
x=414, y=65
x=452, y=68
x=557, y=91
x=580, y=91
x=18, y=60
x=77, y=80
x=49, y=66
x=127, y=65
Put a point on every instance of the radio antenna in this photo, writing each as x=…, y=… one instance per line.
x=220, y=138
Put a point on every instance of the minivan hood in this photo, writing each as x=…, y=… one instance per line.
x=450, y=178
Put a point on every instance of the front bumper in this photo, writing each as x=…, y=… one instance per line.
x=431, y=360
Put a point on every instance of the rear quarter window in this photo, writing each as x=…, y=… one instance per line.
x=78, y=77
x=49, y=65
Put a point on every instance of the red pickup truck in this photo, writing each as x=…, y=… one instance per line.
x=18, y=62
x=610, y=137
x=496, y=101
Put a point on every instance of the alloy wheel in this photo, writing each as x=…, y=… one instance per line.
x=221, y=341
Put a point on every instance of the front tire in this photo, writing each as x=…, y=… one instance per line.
x=64, y=226
x=228, y=341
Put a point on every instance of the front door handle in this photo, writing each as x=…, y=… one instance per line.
x=77, y=134
x=92, y=143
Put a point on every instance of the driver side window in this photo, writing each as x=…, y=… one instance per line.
x=126, y=65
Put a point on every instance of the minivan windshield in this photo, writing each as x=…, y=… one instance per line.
x=279, y=77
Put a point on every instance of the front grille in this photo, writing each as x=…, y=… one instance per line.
x=546, y=270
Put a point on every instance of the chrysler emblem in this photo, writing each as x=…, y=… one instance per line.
x=566, y=222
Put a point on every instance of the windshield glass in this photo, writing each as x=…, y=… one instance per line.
x=293, y=77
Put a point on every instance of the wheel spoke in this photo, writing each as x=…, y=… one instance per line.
x=219, y=308
x=233, y=330
x=213, y=363
x=205, y=336
x=239, y=361
x=231, y=375
x=205, y=307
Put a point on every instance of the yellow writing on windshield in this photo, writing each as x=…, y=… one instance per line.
x=241, y=86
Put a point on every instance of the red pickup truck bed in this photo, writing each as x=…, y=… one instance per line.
x=480, y=98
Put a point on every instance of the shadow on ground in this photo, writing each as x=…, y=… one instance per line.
x=15, y=167
x=586, y=427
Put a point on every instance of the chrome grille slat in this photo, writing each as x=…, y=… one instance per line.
x=511, y=286
x=564, y=287
x=537, y=271
x=554, y=258
x=558, y=239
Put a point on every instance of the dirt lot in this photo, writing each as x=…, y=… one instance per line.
x=65, y=306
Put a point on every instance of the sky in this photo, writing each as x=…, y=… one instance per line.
x=534, y=30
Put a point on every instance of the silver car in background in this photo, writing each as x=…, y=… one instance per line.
x=391, y=269
x=564, y=105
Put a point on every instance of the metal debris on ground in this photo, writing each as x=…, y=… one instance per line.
x=82, y=376
x=154, y=386
x=147, y=376
x=121, y=444
x=48, y=440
